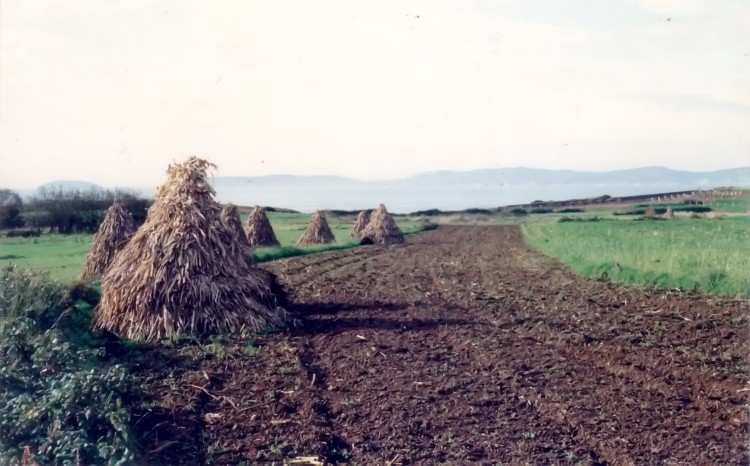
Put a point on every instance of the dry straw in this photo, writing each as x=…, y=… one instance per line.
x=258, y=231
x=317, y=231
x=382, y=229
x=669, y=213
x=363, y=219
x=184, y=270
x=230, y=215
x=114, y=232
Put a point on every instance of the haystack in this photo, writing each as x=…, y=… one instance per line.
x=114, y=232
x=258, y=230
x=363, y=219
x=382, y=229
x=231, y=218
x=669, y=213
x=317, y=231
x=184, y=270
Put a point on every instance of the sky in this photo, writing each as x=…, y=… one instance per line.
x=113, y=92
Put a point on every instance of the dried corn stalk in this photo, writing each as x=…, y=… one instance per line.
x=258, y=230
x=317, y=231
x=382, y=229
x=231, y=218
x=363, y=219
x=114, y=232
x=185, y=270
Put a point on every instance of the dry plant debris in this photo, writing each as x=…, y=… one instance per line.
x=185, y=270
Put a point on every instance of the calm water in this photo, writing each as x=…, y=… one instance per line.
x=403, y=198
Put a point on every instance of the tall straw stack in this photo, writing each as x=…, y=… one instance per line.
x=259, y=231
x=184, y=270
x=230, y=215
x=114, y=232
x=382, y=229
x=317, y=231
x=363, y=219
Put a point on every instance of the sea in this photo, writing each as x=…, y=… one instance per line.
x=402, y=198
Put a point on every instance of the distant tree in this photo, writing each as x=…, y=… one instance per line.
x=79, y=211
x=10, y=209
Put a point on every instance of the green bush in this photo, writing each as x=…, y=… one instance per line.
x=661, y=210
x=579, y=219
x=57, y=396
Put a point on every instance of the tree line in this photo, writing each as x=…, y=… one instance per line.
x=59, y=210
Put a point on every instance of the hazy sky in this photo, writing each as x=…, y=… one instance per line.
x=113, y=91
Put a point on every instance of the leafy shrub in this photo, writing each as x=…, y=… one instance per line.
x=57, y=398
x=475, y=211
x=341, y=213
x=23, y=233
x=427, y=226
x=427, y=213
x=663, y=210
x=571, y=210
x=579, y=219
x=694, y=209
x=519, y=211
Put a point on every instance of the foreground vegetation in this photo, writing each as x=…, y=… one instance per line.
x=702, y=254
x=61, y=398
x=63, y=256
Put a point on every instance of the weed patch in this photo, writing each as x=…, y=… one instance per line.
x=59, y=402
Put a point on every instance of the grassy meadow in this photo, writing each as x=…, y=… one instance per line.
x=704, y=254
x=63, y=256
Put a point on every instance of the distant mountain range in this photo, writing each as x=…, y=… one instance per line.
x=452, y=189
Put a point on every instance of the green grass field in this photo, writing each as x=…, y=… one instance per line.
x=710, y=255
x=736, y=205
x=64, y=255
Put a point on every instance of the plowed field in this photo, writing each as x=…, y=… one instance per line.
x=462, y=347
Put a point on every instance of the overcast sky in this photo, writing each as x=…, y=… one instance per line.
x=113, y=91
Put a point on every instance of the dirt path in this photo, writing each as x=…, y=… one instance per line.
x=464, y=347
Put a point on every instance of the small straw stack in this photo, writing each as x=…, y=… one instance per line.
x=114, y=232
x=230, y=215
x=317, y=231
x=258, y=230
x=363, y=219
x=382, y=229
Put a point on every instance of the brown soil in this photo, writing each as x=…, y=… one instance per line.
x=461, y=347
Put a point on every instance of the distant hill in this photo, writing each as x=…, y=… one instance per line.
x=634, y=176
x=453, y=190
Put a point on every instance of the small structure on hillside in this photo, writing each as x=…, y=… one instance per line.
x=363, y=219
x=382, y=229
x=113, y=234
x=317, y=231
x=259, y=231
x=184, y=271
